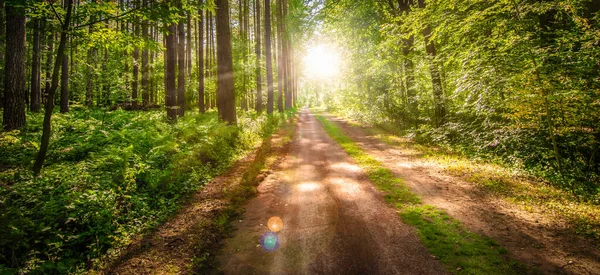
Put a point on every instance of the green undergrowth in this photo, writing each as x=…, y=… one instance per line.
x=511, y=184
x=109, y=175
x=460, y=250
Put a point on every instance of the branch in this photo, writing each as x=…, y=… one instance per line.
x=56, y=13
x=113, y=17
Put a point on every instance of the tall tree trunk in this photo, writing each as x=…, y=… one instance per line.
x=225, y=85
x=90, y=73
x=200, y=53
x=35, y=70
x=181, y=65
x=171, y=60
x=3, y=51
x=438, y=91
x=188, y=46
x=280, y=58
x=39, y=161
x=145, y=68
x=64, y=86
x=136, y=66
x=257, y=37
x=268, y=56
x=407, y=44
x=14, y=69
x=208, y=56
x=286, y=57
x=49, y=56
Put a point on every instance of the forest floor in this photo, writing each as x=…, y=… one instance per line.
x=531, y=236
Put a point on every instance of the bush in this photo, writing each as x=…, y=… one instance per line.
x=108, y=177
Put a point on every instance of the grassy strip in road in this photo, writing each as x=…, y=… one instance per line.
x=457, y=248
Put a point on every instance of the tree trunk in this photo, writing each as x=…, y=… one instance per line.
x=145, y=68
x=188, y=56
x=64, y=86
x=2, y=55
x=407, y=44
x=136, y=67
x=14, y=69
x=257, y=37
x=181, y=65
x=90, y=74
x=268, y=56
x=171, y=60
x=287, y=60
x=200, y=53
x=39, y=161
x=225, y=84
x=49, y=56
x=280, y=58
x=35, y=70
x=438, y=91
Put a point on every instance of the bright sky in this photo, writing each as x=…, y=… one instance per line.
x=321, y=62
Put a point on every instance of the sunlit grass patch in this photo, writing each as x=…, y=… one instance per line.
x=457, y=248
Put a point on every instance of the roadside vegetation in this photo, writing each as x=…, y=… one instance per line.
x=455, y=246
x=110, y=175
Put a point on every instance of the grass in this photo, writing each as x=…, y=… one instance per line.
x=513, y=185
x=458, y=249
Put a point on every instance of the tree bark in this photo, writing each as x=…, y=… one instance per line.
x=39, y=161
x=188, y=46
x=407, y=44
x=2, y=34
x=171, y=59
x=438, y=91
x=14, y=69
x=64, y=86
x=145, y=68
x=225, y=84
x=268, y=56
x=136, y=67
x=181, y=65
x=35, y=103
x=258, y=107
x=200, y=53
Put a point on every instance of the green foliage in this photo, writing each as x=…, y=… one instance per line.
x=520, y=79
x=456, y=247
x=109, y=176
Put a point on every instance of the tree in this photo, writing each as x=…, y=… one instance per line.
x=64, y=86
x=200, y=53
x=35, y=103
x=268, y=56
x=39, y=161
x=170, y=60
x=145, y=65
x=438, y=91
x=181, y=64
x=225, y=85
x=14, y=68
x=258, y=107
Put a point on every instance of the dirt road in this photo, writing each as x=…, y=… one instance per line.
x=334, y=220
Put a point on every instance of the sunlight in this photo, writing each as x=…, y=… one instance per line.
x=321, y=62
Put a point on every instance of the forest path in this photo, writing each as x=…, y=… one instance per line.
x=334, y=220
x=543, y=244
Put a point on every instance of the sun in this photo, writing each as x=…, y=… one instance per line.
x=321, y=62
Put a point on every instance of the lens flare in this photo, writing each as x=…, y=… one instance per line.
x=275, y=224
x=269, y=241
